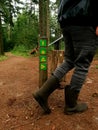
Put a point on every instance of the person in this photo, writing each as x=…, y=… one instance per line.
x=79, y=24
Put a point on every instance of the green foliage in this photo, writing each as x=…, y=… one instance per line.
x=25, y=31
x=8, y=45
x=3, y=58
x=96, y=66
x=20, y=50
x=8, y=9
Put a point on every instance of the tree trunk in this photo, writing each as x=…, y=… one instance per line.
x=1, y=40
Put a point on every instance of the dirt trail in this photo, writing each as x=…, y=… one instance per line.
x=18, y=110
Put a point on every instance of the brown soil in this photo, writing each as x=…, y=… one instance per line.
x=19, y=78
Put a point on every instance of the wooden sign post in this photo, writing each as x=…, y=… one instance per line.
x=43, y=40
x=43, y=65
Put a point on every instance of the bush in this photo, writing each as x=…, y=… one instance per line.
x=20, y=50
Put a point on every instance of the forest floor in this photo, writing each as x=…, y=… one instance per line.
x=19, y=78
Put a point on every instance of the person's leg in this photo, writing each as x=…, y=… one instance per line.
x=84, y=50
x=72, y=91
x=68, y=63
x=84, y=55
x=41, y=96
x=82, y=65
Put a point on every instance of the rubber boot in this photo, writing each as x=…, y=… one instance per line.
x=71, y=105
x=41, y=96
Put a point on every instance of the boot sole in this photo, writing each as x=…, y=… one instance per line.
x=41, y=103
x=70, y=111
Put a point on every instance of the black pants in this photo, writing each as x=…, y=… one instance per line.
x=80, y=48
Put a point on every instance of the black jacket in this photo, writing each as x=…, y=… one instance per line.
x=78, y=12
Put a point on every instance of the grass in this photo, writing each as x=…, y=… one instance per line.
x=20, y=51
x=96, y=56
x=2, y=58
x=96, y=66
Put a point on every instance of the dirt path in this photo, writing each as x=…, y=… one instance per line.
x=19, y=111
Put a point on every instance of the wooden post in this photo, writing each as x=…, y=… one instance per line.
x=43, y=40
x=57, y=57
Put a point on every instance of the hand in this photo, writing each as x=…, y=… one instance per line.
x=97, y=30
